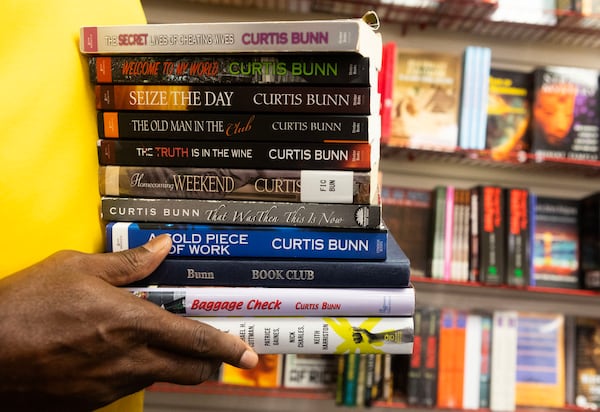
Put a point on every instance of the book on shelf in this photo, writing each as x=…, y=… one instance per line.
x=234, y=68
x=476, y=62
x=587, y=362
x=518, y=241
x=431, y=343
x=451, y=358
x=490, y=234
x=305, y=371
x=448, y=238
x=232, y=212
x=508, y=113
x=503, y=370
x=291, y=185
x=239, y=98
x=259, y=301
x=337, y=156
x=351, y=370
x=556, y=243
x=435, y=249
x=268, y=373
x=225, y=241
x=540, y=379
x=473, y=360
x=414, y=389
x=485, y=368
x=392, y=272
x=266, y=127
x=406, y=212
x=589, y=237
x=565, y=120
x=386, y=88
x=356, y=35
x=319, y=335
x=426, y=98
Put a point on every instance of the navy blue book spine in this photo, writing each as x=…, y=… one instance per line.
x=393, y=272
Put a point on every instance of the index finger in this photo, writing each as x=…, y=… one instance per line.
x=177, y=333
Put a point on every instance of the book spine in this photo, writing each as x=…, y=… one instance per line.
x=320, y=335
x=517, y=237
x=278, y=273
x=241, y=155
x=491, y=235
x=237, y=126
x=448, y=241
x=415, y=372
x=239, y=98
x=127, y=209
x=484, y=373
x=241, y=184
x=431, y=330
x=343, y=35
x=251, y=301
x=252, y=241
x=283, y=68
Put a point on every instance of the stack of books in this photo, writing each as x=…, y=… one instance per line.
x=255, y=145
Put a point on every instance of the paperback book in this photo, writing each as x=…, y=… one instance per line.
x=589, y=237
x=320, y=335
x=239, y=68
x=566, y=120
x=291, y=185
x=340, y=35
x=509, y=113
x=268, y=373
x=393, y=272
x=256, y=301
x=240, y=212
x=556, y=243
x=587, y=363
x=280, y=127
x=190, y=240
x=239, y=155
x=239, y=98
x=426, y=95
x=304, y=371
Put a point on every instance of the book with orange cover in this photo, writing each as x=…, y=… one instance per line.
x=267, y=374
x=451, y=358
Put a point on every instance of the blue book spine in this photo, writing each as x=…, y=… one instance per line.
x=393, y=272
x=224, y=241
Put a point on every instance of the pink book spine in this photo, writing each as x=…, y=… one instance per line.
x=448, y=233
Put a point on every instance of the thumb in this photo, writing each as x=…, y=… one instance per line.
x=127, y=266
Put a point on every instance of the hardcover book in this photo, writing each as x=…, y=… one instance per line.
x=268, y=373
x=238, y=126
x=239, y=68
x=491, y=234
x=336, y=35
x=426, y=100
x=473, y=361
x=566, y=121
x=540, y=360
x=589, y=236
x=431, y=330
x=232, y=212
x=556, y=243
x=320, y=335
x=239, y=155
x=587, y=362
x=407, y=214
x=255, y=301
x=414, y=389
x=192, y=240
x=239, y=98
x=508, y=113
x=319, y=186
x=393, y=272
x=518, y=242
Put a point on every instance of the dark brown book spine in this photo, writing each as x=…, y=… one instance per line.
x=240, y=98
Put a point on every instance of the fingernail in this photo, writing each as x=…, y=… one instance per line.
x=249, y=359
x=158, y=243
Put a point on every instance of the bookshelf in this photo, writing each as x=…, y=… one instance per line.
x=514, y=45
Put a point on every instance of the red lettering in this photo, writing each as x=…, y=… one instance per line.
x=133, y=39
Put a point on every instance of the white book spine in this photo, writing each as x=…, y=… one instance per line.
x=320, y=335
x=257, y=301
